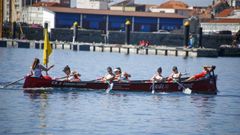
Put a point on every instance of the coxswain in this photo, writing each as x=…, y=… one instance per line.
x=204, y=74
x=37, y=68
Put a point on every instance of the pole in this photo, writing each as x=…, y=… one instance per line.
x=186, y=33
x=75, y=25
x=46, y=29
x=127, y=32
x=200, y=37
x=1, y=18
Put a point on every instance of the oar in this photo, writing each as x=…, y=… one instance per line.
x=153, y=87
x=12, y=82
x=185, y=90
x=63, y=77
x=110, y=86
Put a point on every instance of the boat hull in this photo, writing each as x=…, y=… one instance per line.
x=205, y=86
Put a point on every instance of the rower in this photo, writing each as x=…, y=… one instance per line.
x=175, y=75
x=158, y=76
x=37, y=68
x=72, y=76
x=109, y=77
x=204, y=74
x=121, y=76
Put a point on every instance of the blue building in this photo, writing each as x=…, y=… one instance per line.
x=115, y=20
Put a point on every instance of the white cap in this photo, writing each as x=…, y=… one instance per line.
x=115, y=70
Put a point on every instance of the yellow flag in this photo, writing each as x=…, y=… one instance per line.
x=47, y=50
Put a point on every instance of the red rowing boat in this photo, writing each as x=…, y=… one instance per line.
x=203, y=86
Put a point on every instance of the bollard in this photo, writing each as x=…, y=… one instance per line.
x=75, y=47
x=128, y=50
x=186, y=53
x=166, y=52
x=137, y=50
x=110, y=48
x=176, y=53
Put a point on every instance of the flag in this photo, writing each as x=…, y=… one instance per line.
x=47, y=50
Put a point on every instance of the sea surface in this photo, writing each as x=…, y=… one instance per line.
x=82, y=112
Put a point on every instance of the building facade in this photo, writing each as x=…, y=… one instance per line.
x=16, y=10
x=115, y=20
x=90, y=4
x=216, y=26
x=32, y=15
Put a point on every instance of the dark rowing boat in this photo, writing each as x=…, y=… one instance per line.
x=203, y=86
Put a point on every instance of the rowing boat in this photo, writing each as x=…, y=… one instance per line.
x=203, y=86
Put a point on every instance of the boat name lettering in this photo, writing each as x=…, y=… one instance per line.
x=74, y=84
x=159, y=86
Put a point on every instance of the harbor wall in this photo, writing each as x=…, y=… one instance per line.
x=117, y=37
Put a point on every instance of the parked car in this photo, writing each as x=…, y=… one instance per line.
x=162, y=32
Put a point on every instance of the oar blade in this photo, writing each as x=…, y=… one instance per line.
x=109, y=88
x=187, y=91
x=153, y=87
x=153, y=91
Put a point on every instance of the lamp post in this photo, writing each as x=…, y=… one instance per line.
x=186, y=33
x=127, y=32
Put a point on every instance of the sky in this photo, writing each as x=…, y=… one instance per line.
x=189, y=2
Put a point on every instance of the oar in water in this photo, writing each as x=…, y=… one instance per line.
x=110, y=86
x=153, y=87
x=185, y=90
x=12, y=82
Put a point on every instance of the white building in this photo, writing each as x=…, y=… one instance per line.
x=32, y=15
x=38, y=15
x=235, y=14
x=90, y=4
x=16, y=10
x=232, y=25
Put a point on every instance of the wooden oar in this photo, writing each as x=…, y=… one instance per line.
x=13, y=82
x=185, y=90
x=153, y=87
x=110, y=86
x=63, y=77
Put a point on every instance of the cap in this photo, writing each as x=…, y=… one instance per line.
x=116, y=69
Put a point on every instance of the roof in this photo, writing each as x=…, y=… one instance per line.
x=225, y=12
x=219, y=3
x=174, y=4
x=46, y=4
x=224, y=21
x=124, y=3
x=113, y=12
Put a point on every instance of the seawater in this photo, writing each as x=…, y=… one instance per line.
x=73, y=111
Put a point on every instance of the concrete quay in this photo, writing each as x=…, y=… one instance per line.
x=114, y=48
